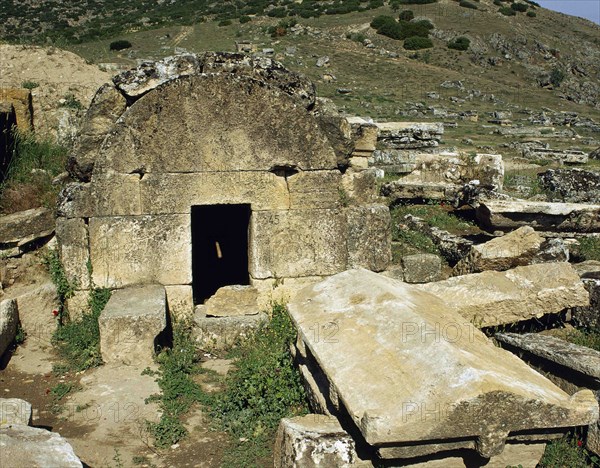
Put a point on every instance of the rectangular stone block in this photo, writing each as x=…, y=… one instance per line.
x=415, y=378
x=512, y=296
x=73, y=242
x=128, y=250
x=180, y=300
x=176, y=193
x=295, y=243
x=369, y=237
x=130, y=324
x=314, y=189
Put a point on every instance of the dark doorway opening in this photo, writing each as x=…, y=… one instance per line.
x=219, y=248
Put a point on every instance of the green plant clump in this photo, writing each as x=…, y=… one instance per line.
x=507, y=11
x=567, y=452
x=467, y=4
x=178, y=391
x=589, y=248
x=71, y=102
x=417, y=43
x=29, y=84
x=120, y=44
x=406, y=15
x=460, y=43
x=522, y=7
x=265, y=386
x=588, y=338
x=557, y=76
x=531, y=14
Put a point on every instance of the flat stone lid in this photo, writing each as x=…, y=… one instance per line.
x=407, y=368
x=136, y=301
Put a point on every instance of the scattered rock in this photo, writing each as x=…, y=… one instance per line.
x=130, y=325
x=322, y=61
x=421, y=268
x=233, y=301
x=496, y=298
x=571, y=185
x=20, y=229
x=314, y=440
x=28, y=447
x=9, y=318
x=15, y=411
x=506, y=215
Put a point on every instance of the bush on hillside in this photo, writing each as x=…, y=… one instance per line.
x=522, y=7
x=380, y=20
x=531, y=14
x=460, y=43
x=121, y=44
x=467, y=4
x=417, y=43
x=507, y=11
x=406, y=15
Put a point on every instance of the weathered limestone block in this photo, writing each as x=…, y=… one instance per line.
x=407, y=135
x=516, y=248
x=142, y=138
x=115, y=194
x=280, y=289
x=411, y=190
x=574, y=357
x=317, y=248
x=180, y=300
x=20, y=98
x=36, y=303
x=314, y=189
x=15, y=411
x=176, y=193
x=74, y=201
x=106, y=107
x=314, y=440
x=128, y=250
x=452, y=387
x=365, y=137
x=360, y=186
x=494, y=298
x=232, y=301
x=395, y=161
x=338, y=131
x=73, y=242
x=421, y=268
x=221, y=333
x=130, y=323
x=9, y=318
x=544, y=216
x=19, y=229
x=28, y=447
x=369, y=237
x=589, y=317
x=572, y=367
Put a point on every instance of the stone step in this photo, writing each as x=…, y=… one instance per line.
x=130, y=324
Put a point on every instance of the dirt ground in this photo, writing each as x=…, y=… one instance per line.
x=103, y=418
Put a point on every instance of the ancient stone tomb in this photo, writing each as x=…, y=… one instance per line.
x=197, y=180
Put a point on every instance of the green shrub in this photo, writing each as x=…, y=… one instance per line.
x=567, y=452
x=391, y=30
x=29, y=84
x=531, y=14
x=589, y=248
x=381, y=20
x=121, y=44
x=522, y=7
x=265, y=386
x=178, y=390
x=279, y=12
x=424, y=23
x=460, y=43
x=507, y=11
x=557, y=76
x=417, y=43
x=416, y=2
x=245, y=19
x=467, y=4
x=406, y=15
x=71, y=102
x=224, y=23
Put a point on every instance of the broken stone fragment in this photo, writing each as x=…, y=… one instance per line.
x=21, y=228
x=9, y=318
x=28, y=447
x=232, y=301
x=520, y=247
x=452, y=387
x=421, y=268
x=571, y=185
x=15, y=411
x=495, y=298
x=221, y=333
x=314, y=440
x=507, y=215
x=130, y=325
